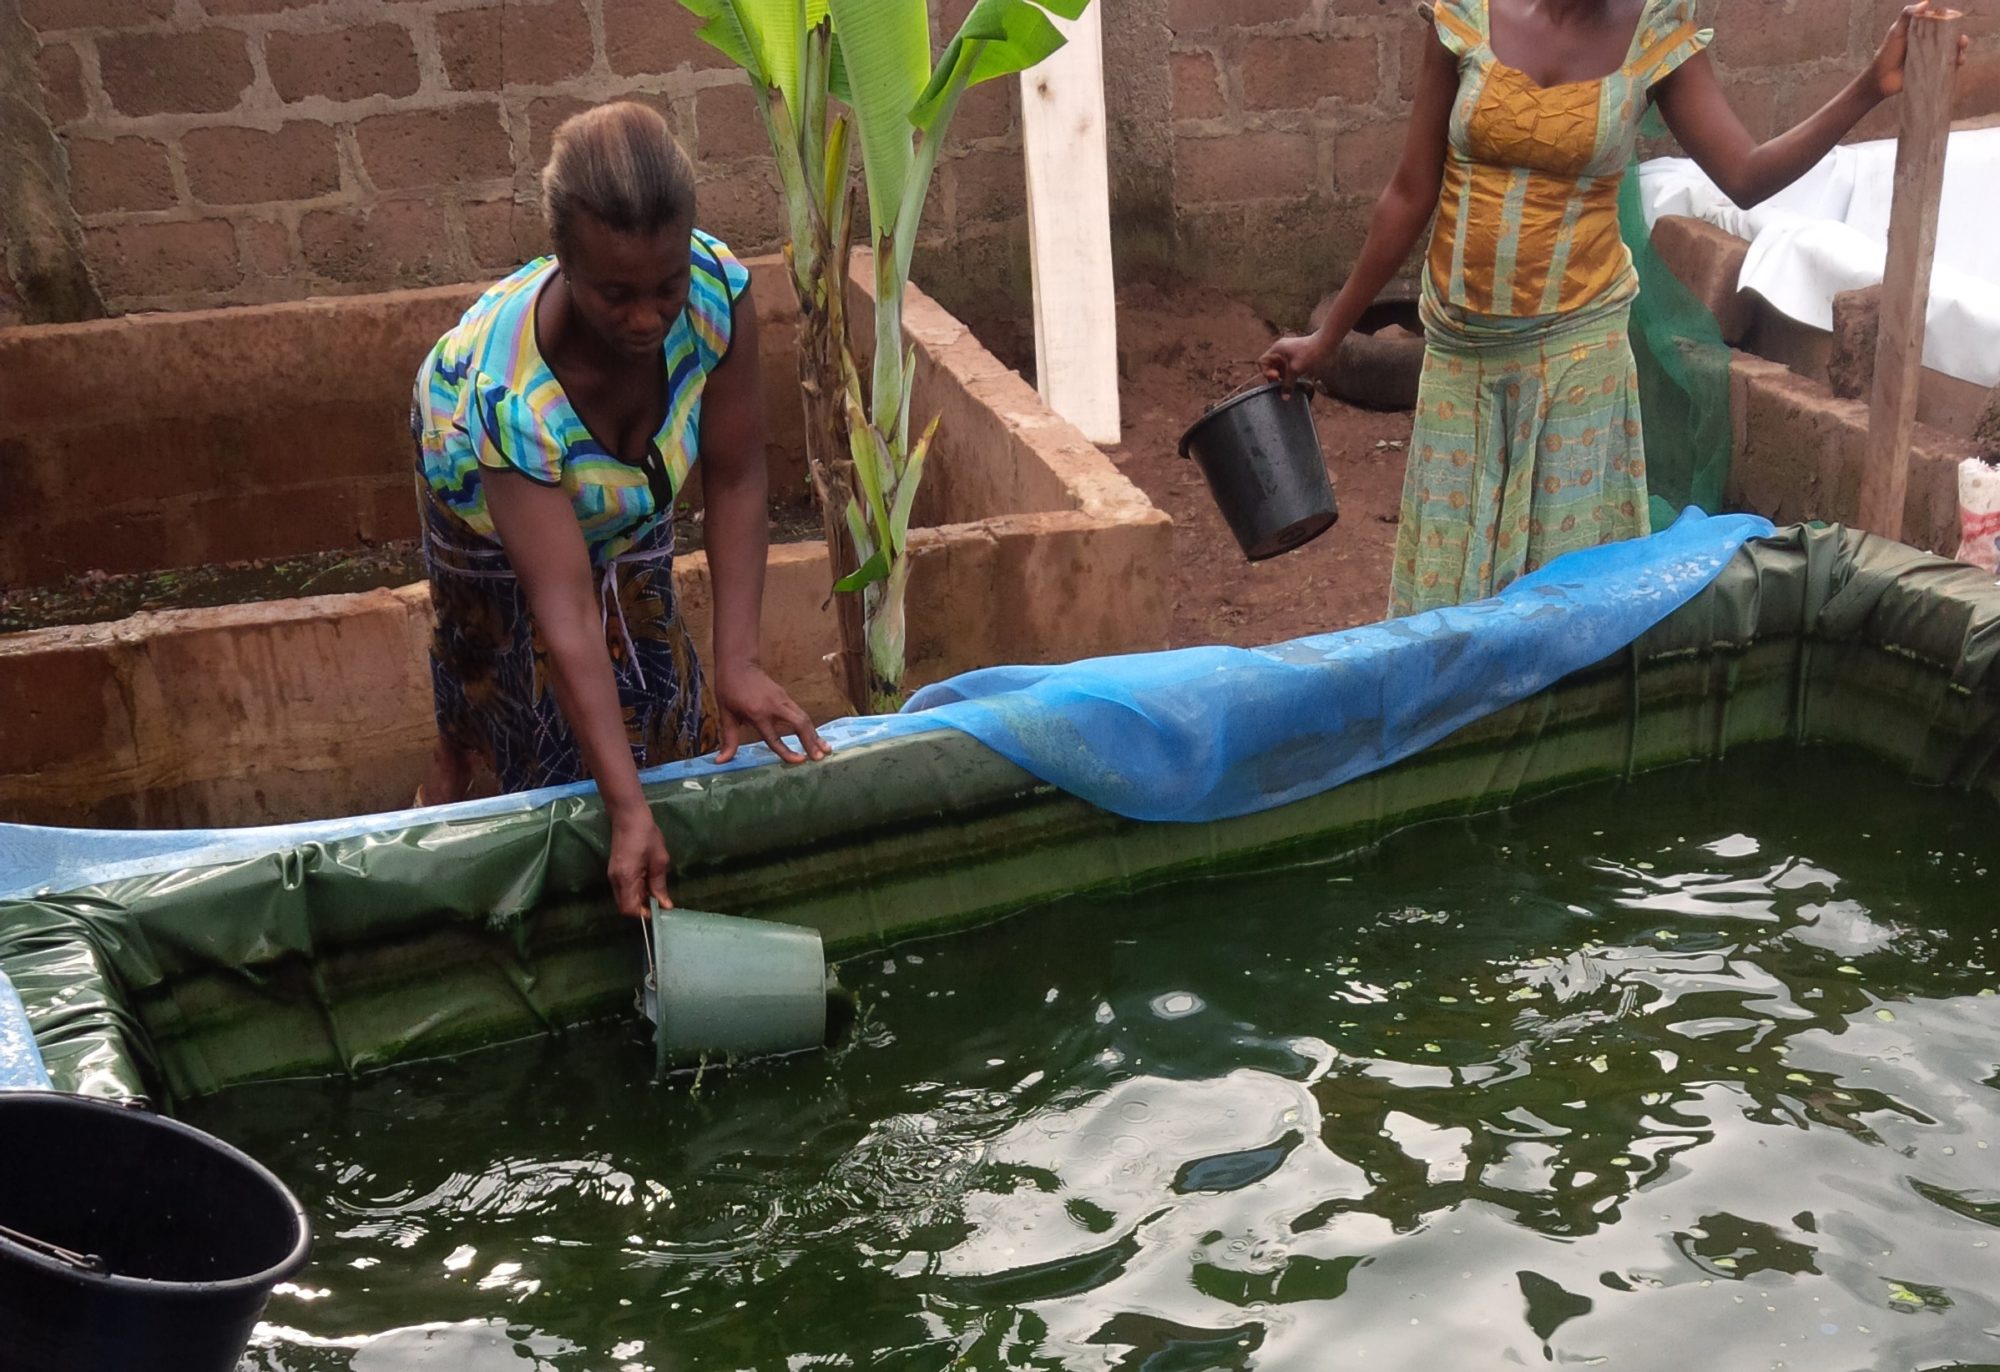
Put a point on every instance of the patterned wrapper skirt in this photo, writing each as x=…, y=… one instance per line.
x=1527, y=446
x=490, y=678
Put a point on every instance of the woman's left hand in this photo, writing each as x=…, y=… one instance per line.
x=1887, y=69
x=753, y=706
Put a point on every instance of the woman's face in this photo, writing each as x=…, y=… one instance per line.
x=627, y=288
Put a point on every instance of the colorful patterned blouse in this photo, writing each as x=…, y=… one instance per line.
x=485, y=398
x=1527, y=223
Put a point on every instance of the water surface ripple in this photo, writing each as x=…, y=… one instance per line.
x=1702, y=1071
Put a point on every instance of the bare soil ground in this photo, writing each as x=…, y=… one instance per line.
x=1181, y=348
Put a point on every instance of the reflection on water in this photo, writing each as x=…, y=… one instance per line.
x=1700, y=1072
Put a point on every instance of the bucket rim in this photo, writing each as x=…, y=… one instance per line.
x=1232, y=401
x=155, y=1288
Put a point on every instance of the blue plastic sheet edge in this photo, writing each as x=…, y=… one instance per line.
x=1203, y=734
x=1187, y=735
x=21, y=1065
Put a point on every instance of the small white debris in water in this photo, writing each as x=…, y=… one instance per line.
x=460, y=1258
x=1050, y=998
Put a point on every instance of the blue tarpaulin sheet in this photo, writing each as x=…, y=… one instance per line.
x=1213, y=733
x=21, y=1066
x=1189, y=735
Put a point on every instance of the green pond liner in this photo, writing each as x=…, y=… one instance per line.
x=350, y=956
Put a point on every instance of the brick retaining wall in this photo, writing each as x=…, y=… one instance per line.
x=230, y=151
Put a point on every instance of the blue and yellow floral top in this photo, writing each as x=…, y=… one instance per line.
x=486, y=399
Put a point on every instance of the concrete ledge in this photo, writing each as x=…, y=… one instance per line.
x=1038, y=550
x=1709, y=262
x=1801, y=450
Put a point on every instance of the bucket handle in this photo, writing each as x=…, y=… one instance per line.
x=1299, y=384
x=83, y=1262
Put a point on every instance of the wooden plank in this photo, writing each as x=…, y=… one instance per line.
x=1928, y=75
x=1069, y=225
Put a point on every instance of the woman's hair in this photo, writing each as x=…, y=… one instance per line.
x=618, y=163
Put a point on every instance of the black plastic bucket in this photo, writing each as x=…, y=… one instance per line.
x=137, y=1243
x=1262, y=458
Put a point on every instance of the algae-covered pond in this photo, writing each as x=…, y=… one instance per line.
x=1702, y=1071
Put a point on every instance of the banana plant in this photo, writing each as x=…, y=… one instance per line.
x=827, y=74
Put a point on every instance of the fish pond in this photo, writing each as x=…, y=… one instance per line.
x=1697, y=1071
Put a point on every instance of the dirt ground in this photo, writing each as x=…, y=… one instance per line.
x=1180, y=348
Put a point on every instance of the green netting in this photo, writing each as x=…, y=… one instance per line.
x=1683, y=373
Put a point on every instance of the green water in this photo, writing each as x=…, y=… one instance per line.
x=1702, y=1072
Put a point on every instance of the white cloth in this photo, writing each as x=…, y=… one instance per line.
x=1828, y=233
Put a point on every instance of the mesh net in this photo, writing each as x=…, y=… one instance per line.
x=1683, y=374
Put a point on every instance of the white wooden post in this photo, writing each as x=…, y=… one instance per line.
x=1069, y=227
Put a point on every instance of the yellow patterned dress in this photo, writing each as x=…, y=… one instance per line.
x=1527, y=441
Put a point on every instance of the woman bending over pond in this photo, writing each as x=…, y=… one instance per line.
x=554, y=426
x=1527, y=441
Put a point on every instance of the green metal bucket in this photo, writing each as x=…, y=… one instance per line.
x=731, y=988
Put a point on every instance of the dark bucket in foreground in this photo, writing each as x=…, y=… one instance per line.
x=1262, y=458
x=133, y=1242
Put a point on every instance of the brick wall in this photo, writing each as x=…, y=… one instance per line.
x=230, y=151
x=1288, y=114
x=226, y=151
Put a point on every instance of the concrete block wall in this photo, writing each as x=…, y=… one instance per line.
x=247, y=151
x=231, y=151
x=1288, y=115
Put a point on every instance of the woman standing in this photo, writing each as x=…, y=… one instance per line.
x=1528, y=441
x=555, y=425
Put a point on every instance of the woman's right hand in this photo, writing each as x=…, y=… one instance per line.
x=1886, y=71
x=638, y=867
x=1300, y=357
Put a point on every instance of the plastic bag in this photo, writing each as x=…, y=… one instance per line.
x=1979, y=514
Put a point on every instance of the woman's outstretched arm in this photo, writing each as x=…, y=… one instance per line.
x=1692, y=102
